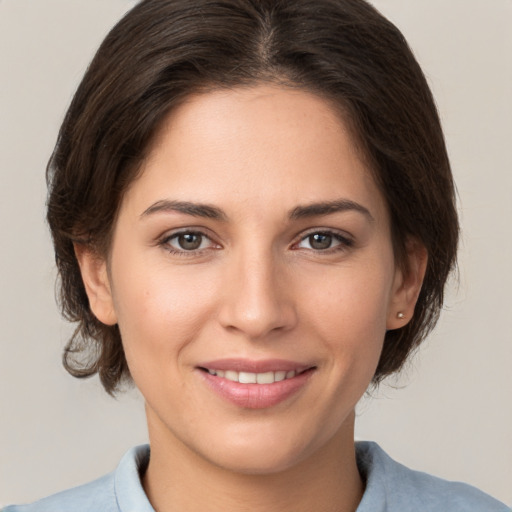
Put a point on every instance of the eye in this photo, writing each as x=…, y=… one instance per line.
x=187, y=241
x=323, y=241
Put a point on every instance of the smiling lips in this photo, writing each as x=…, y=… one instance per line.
x=254, y=378
x=255, y=385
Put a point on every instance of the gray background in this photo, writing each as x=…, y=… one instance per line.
x=450, y=413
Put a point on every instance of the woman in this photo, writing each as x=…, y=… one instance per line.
x=253, y=216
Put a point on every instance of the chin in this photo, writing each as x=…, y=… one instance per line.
x=263, y=452
x=256, y=462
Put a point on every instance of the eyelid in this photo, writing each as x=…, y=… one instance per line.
x=345, y=239
x=169, y=235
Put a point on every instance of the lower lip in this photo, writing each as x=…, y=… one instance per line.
x=256, y=396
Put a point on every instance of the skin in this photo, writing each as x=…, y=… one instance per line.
x=258, y=287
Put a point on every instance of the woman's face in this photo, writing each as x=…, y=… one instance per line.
x=252, y=277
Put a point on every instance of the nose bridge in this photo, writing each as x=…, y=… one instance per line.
x=255, y=300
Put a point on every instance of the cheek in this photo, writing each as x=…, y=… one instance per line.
x=349, y=313
x=160, y=310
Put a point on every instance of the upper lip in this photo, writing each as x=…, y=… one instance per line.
x=254, y=366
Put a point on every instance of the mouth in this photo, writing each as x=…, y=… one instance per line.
x=256, y=384
x=256, y=378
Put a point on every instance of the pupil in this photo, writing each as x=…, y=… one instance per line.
x=320, y=241
x=189, y=241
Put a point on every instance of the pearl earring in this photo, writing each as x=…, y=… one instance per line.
x=400, y=315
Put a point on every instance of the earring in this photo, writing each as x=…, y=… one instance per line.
x=400, y=315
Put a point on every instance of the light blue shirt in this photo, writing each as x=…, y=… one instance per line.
x=390, y=487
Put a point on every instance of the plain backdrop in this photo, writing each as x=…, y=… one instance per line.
x=450, y=413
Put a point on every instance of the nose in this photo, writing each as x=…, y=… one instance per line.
x=256, y=298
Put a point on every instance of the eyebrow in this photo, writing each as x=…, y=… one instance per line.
x=329, y=207
x=194, y=209
x=299, y=212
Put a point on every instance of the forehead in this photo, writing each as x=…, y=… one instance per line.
x=255, y=145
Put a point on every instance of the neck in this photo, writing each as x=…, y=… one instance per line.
x=180, y=479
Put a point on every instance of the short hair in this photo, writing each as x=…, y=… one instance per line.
x=162, y=51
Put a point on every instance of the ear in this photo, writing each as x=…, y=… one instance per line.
x=407, y=285
x=97, y=284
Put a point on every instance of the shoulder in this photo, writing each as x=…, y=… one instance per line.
x=116, y=492
x=97, y=495
x=397, y=488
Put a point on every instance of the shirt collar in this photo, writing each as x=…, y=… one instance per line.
x=130, y=494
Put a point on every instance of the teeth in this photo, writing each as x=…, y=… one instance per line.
x=254, y=378
x=279, y=376
x=231, y=375
x=265, y=378
x=247, y=378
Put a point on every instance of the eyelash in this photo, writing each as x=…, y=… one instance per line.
x=165, y=243
x=344, y=242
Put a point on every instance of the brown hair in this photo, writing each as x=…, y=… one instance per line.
x=163, y=50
